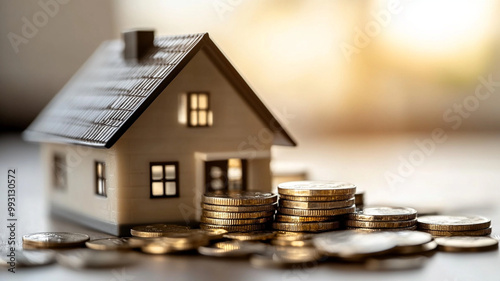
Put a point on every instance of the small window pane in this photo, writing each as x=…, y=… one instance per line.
x=203, y=101
x=194, y=101
x=100, y=188
x=156, y=172
x=217, y=184
x=203, y=118
x=171, y=190
x=210, y=118
x=194, y=118
x=170, y=172
x=157, y=188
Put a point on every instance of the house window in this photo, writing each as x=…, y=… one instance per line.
x=164, y=179
x=100, y=178
x=199, y=113
x=59, y=177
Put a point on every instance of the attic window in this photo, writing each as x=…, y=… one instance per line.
x=199, y=113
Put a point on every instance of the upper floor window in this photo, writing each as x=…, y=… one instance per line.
x=100, y=178
x=199, y=113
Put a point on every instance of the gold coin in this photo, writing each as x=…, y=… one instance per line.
x=54, y=240
x=453, y=223
x=293, y=236
x=251, y=236
x=240, y=198
x=114, y=244
x=316, y=198
x=316, y=213
x=466, y=243
x=156, y=230
x=235, y=221
x=308, y=227
x=479, y=232
x=315, y=204
x=395, y=263
x=235, y=228
x=287, y=218
x=381, y=224
x=316, y=188
x=296, y=243
x=384, y=214
x=228, y=215
x=238, y=209
x=233, y=248
x=361, y=229
x=214, y=234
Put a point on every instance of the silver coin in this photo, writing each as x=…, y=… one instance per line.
x=466, y=243
x=316, y=188
x=87, y=258
x=55, y=239
x=113, y=244
x=384, y=214
x=28, y=258
x=453, y=223
x=279, y=257
x=349, y=243
x=411, y=238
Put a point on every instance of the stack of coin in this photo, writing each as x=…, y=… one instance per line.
x=359, y=199
x=313, y=206
x=238, y=212
x=455, y=225
x=372, y=219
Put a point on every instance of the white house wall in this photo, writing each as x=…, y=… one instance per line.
x=80, y=196
x=157, y=136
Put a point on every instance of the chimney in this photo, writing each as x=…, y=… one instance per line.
x=138, y=42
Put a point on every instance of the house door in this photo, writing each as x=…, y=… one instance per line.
x=226, y=175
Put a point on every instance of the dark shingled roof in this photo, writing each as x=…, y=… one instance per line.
x=109, y=93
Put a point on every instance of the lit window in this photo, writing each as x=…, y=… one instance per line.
x=199, y=113
x=100, y=179
x=235, y=174
x=164, y=179
x=59, y=178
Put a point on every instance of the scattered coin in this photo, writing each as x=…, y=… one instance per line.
x=251, y=236
x=352, y=244
x=28, y=258
x=413, y=242
x=235, y=228
x=316, y=213
x=381, y=224
x=284, y=257
x=479, y=232
x=214, y=234
x=293, y=236
x=237, y=215
x=177, y=242
x=396, y=263
x=466, y=244
x=384, y=214
x=307, y=227
x=316, y=204
x=316, y=188
x=87, y=258
x=362, y=229
x=156, y=230
x=108, y=244
x=295, y=243
x=453, y=223
x=238, y=209
x=55, y=240
x=235, y=222
x=240, y=198
x=316, y=198
x=233, y=248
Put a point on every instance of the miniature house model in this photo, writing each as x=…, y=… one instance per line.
x=147, y=126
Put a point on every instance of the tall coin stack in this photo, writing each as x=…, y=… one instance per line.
x=371, y=219
x=455, y=225
x=313, y=206
x=238, y=212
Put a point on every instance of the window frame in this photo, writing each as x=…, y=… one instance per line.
x=207, y=110
x=163, y=180
x=102, y=178
x=59, y=168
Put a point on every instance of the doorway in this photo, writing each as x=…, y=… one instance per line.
x=226, y=175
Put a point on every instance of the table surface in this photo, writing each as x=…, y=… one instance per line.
x=459, y=176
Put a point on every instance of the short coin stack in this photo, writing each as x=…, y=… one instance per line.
x=238, y=212
x=455, y=225
x=313, y=206
x=372, y=219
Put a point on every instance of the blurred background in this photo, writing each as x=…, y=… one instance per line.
x=355, y=82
